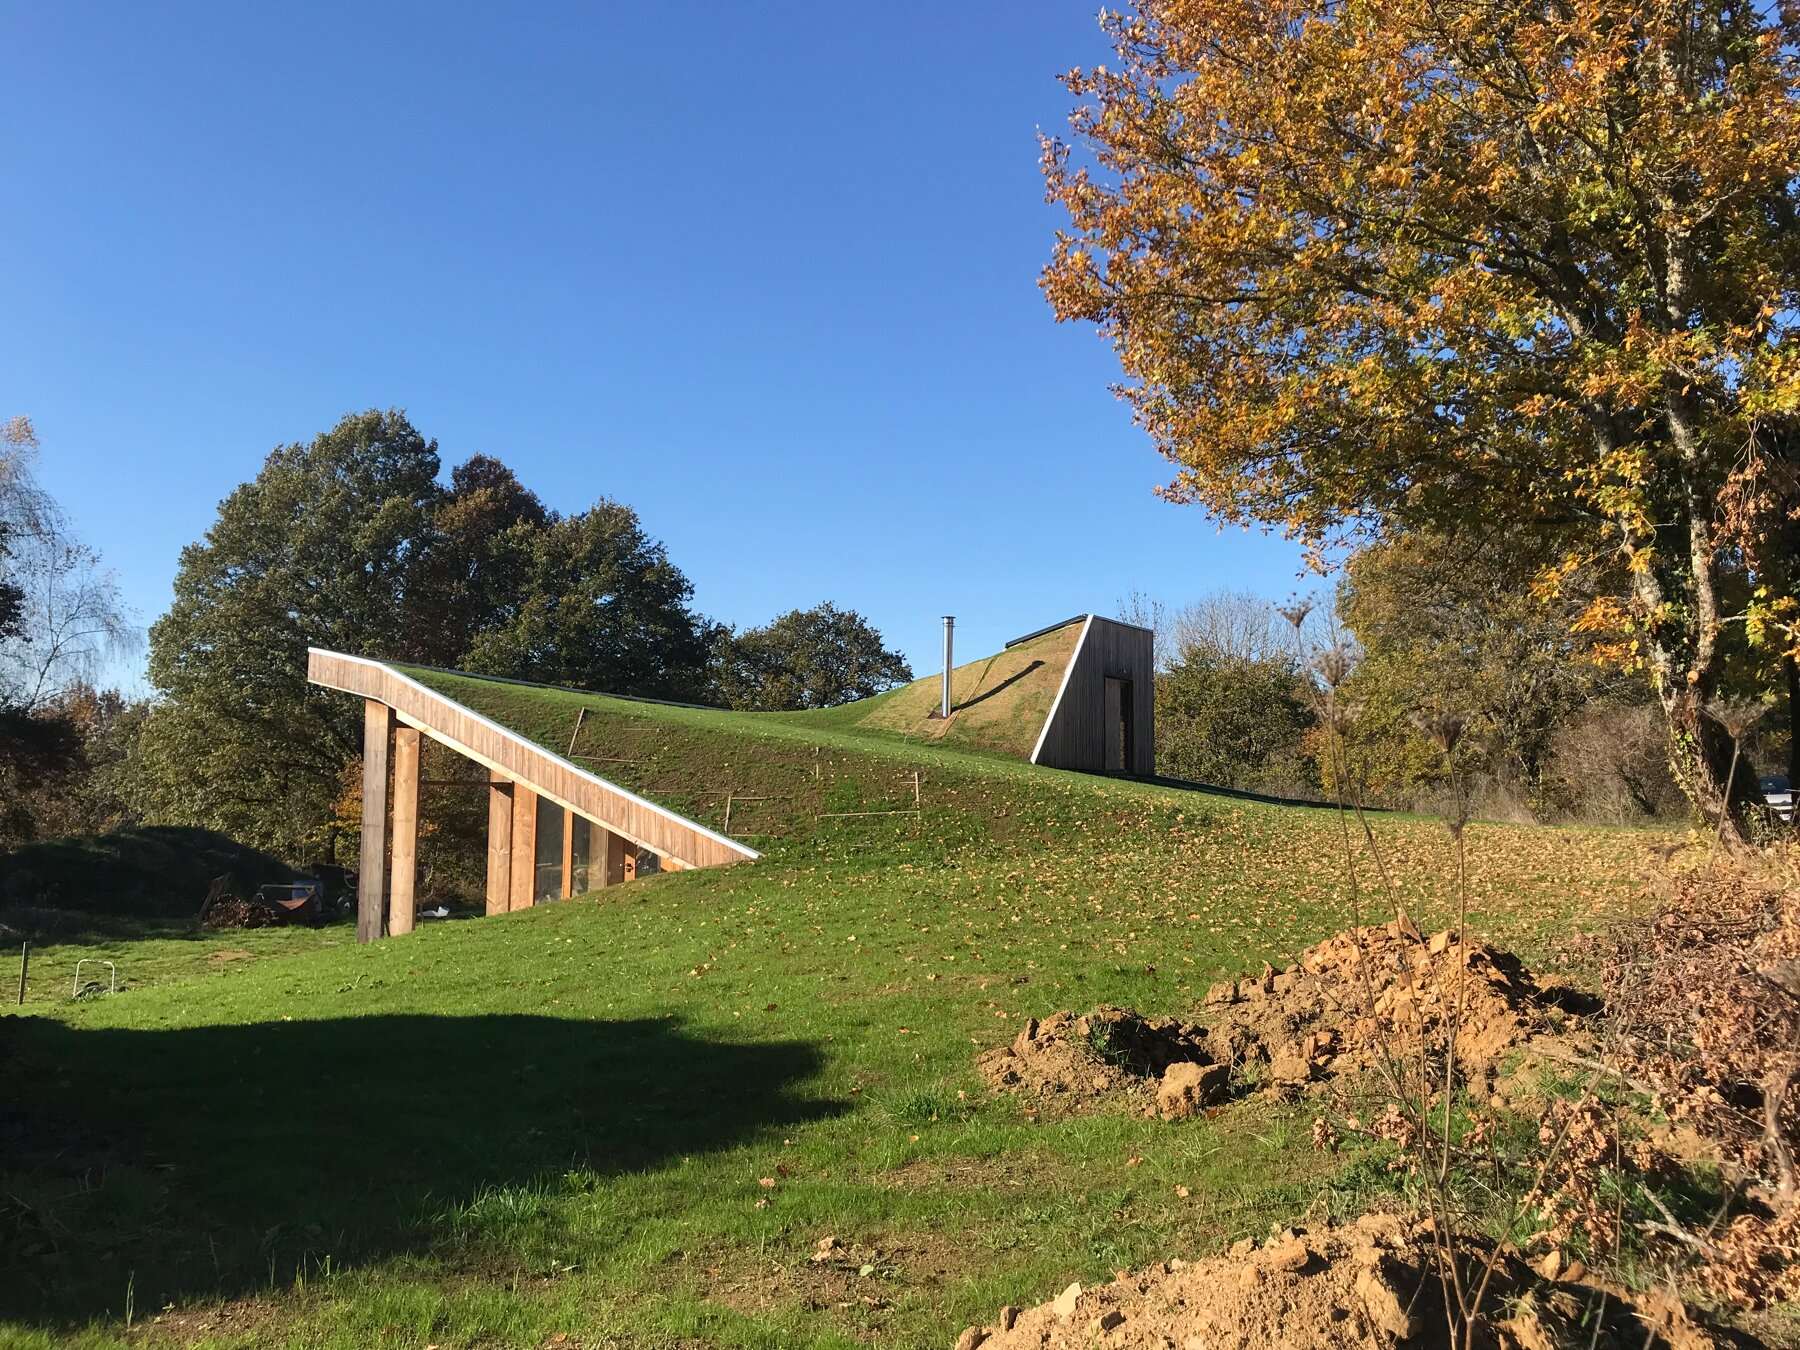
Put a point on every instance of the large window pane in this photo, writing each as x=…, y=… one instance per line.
x=549, y=852
x=581, y=856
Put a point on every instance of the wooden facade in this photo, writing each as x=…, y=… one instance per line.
x=1103, y=720
x=527, y=785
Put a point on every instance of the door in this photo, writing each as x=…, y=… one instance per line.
x=1117, y=738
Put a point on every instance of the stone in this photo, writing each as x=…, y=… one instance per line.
x=1291, y=1255
x=1064, y=1307
x=1440, y=942
x=1188, y=1087
x=1109, y=1319
x=971, y=1338
x=1290, y=1066
x=1385, y=1309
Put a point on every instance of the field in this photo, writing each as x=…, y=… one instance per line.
x=629, y=1119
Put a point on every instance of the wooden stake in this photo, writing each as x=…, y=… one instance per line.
x=24, y=965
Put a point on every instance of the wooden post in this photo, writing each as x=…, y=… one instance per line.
x=24, y=965
x=499, y=858
x=524, y=847
x=568, y=857
x=371, y=871
x=401, y=903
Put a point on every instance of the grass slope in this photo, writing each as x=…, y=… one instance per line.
x=999, y=703
x=629, y=1118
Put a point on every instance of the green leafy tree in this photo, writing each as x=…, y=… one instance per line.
x=1233, y=721
x=807, y=658
x=1448, y=623
x=317, y=550
x=600, y=607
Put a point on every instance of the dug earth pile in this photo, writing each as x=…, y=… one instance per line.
x=1370, y=1286
x=1346, y=1003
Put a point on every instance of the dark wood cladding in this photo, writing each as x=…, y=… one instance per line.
x=514, y=758
x=1075, y=737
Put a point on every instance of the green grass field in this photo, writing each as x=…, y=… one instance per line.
x=628, y=1119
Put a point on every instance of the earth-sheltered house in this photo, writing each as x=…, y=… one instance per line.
x=1076, y=695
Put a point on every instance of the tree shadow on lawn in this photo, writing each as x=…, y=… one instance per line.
x=198, y=1162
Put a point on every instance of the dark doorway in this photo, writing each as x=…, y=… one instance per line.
x=1118, y=726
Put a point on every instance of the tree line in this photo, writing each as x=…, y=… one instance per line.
x=1555, y=723
x=356, y=542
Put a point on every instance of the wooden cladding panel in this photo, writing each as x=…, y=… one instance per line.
x=463, y=731
x=1077, y=735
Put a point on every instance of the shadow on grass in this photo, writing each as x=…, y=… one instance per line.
x=202, y=1162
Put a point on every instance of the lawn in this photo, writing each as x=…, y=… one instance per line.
x=629, y=1119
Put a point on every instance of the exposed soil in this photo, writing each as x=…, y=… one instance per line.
x=1347, y=1001
x=1369, y=1286
x=1068, y=1060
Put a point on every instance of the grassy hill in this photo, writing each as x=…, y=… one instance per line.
x=630, y=1118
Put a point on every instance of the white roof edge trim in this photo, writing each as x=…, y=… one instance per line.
x=1068, y=670
x=517, y=739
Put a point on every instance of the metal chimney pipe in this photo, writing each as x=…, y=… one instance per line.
x=949, y=663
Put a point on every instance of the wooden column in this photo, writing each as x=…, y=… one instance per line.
x=402, y=907
x=371, y=869
x=500, y=833
x=568, y=857
x=524, y=847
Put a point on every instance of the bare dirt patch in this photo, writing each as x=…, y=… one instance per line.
x=1369, y=1286
x=1351, y=999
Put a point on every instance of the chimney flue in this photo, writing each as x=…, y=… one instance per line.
x=949, y=663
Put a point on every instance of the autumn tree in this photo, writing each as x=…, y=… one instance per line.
x=1380, y=266
x=807, y=658
x=60, y=619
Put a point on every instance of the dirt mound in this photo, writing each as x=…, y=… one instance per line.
x=1373, y=991
x=1350, y=999
x=1109, y=1050
x=1369, y=1286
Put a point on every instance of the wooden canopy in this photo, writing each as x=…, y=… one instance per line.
x=524, y=778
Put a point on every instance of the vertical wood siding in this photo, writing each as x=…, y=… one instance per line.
x=1075, y=735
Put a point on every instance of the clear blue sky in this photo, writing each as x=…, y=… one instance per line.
x=765, y=271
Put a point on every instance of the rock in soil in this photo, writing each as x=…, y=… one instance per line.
x=1372, y=1285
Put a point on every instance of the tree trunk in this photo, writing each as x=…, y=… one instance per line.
x=1791, y=668
x=1700, y=753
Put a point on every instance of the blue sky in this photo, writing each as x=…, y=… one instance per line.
x=765, y=271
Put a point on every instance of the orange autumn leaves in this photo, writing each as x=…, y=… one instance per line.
x=1384, y=265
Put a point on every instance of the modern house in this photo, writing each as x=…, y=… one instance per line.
x=1077, y=695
